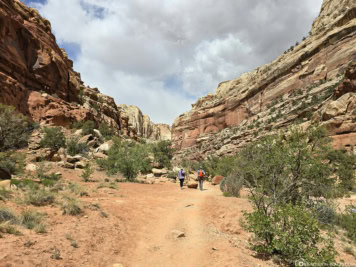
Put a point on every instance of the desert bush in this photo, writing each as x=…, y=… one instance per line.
x=15, y=129
x=163, y=153
x=347, y=221
x=71, y=207
x=77, y=189
x=88, y=127
x=107, y=131
x=292, y=233
x=231, y=186
x=288, y=169
x=324, y=211
x=39, y=197
x=7, y=228
x=5, y=194
x=12, y=162
x=75, y=148
x=6, y=215
x=53, y=138
x=128, y=158
x=87, y=172
x=30, y=219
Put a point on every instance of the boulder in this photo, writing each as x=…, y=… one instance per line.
x=93, y=143
x=4, y=174
x=150, y=175
x=104, y=148
x=85, y=139
x=217, y=179
x=5, y=183
x=98, y=134
x=177, y=234
x=80, y=165
x=68, y=165
x=192, y=184
x=99, y=155
x=159, y=172
x=78, y=132
x=56, y=158
x=71, y=159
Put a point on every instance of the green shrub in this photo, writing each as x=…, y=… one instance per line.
x=5, y=194
x=292, y=233
x=75, y=148
x=347, y=220
x=288, y=169
x=7, y=228
x=39, y=197
x=107, y=131
x=128, y=158
x=71, y=207
x=30, y=219
x=15, y=129
x=88, y=127
x=12, y=162
x=163, y=153
x=53, y=138
x=87, y=172
x=231, y=186
x=6, y=215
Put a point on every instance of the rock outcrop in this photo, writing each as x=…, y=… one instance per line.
x=311, y=82
x=37, y=77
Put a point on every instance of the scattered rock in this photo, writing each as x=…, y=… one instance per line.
x=104, y=148
x=78, y=132
x=150, y=175
x=177, y=234
x=217, y=179
x=159, y=172
x=85, y=139
x=5, y=183
x=71, y=159
x=99, y=155
x=80, y=165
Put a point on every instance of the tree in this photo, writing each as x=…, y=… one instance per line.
x=15, y=129
x=285, y=175
x=163, y=153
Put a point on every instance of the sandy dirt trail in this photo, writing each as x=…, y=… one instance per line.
x=160, y=247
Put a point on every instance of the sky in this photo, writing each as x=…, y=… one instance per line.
x=162, y=55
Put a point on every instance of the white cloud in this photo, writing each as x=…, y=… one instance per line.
x=159, y=54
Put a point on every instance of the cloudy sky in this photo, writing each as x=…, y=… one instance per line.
x=162, y=55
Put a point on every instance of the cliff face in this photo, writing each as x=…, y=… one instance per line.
x=141, y=124
x=37, y=77
x=306, y=84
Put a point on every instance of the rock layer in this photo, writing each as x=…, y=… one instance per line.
x=316, y=76
x=37, y=77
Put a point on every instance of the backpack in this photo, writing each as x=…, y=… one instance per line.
x=200, y=173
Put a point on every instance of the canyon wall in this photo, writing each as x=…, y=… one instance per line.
x=37, y=77
x=313, y=82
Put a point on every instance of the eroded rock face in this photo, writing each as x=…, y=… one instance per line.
x=37, y=77
x=311, y=83
x=141, y=125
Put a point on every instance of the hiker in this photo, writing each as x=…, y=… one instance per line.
x=181, y=175
x=201, y=174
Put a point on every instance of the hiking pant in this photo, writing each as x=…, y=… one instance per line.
x=201, y=184
x=181, y=182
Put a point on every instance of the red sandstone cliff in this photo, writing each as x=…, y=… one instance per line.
x=37, y=77
x=313, y=82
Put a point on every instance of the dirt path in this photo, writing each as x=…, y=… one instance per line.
x=161, y=247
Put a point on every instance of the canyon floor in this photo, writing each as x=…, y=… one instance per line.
x=135, y=225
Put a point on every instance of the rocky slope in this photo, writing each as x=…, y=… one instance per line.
x=37, y=77
x=312, y=82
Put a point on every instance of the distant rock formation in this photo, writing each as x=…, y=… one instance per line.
x=311, y=82
x=37, y=77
